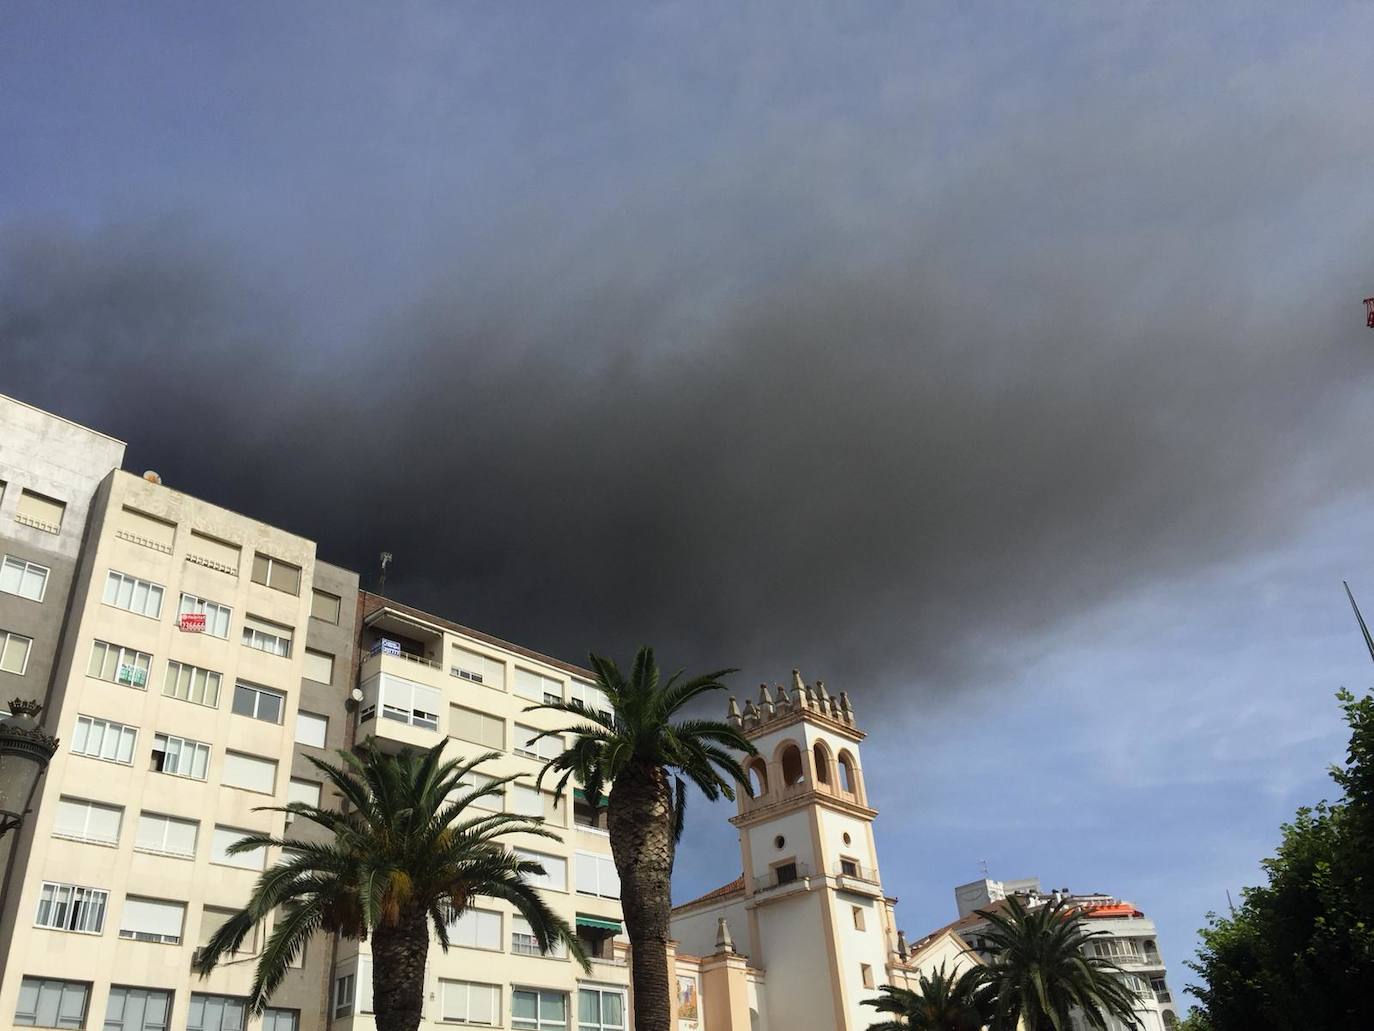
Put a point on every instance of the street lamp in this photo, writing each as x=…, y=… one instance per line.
x=25, y=748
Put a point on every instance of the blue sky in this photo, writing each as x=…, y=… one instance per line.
x=1000, y=364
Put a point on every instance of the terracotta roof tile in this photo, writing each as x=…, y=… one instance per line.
x=735, y=887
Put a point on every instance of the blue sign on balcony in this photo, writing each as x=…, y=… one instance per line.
x=386, y=647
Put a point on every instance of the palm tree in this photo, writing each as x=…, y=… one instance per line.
x=633, y=749
x=405, y=855
x=1041, y=970
x=939, y=1002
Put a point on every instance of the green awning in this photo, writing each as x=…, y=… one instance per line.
x=581, y=796
x=598, y=923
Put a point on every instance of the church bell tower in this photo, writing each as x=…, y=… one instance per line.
x=818, y=921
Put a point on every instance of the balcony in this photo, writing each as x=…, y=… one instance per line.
x=782, y=876
x=397, y=711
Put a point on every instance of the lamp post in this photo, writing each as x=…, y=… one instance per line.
x=25, y=748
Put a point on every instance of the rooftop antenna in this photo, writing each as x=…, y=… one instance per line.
x=381, y=580
x=1369, y=641
x=983, y=865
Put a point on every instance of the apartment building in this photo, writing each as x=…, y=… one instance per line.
x=1123, y=934
x=203, y=654
x=424, y=679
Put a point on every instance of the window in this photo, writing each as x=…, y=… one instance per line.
x=40, y=511
x=549, y=747
x=325, y=606
x=401, y=700
x=785, y=873
x=259, y=703
x=152, y=920
x=311, y=728
x=474, y=781
x=266, y=636
x=866, y=972
x=555, y=875
x=213, y=553
x=87, y=821
x=180, y=757
x=526, y=801
x=216, y=1013
x=1116, y=948
x=102, y=739
x=858, y=915
x=536, y=687
x=280, y=1020
x=14, y=652
x=276, y=574
x=26, y=579
x=71, y=907
x=141, y=597
x=343, y=995
x=532, y=1010
x=596, y=875
x=477, y=727
x=191, y=684
x=220, y=841
x=600, y=1009
x=217, y=616
x=212, y=918
x=119, y=665
x=305, y=791
x=589, y=695
x=476, y=929
x=249, y=772
x=166, y=835
x=137, y=1009
x=849, y=868
x=319, y=666
x=146, y=530
x=466, y=1002
x=470, y=665
x=1161, y=990
x=44, y=1002
x=523, y=941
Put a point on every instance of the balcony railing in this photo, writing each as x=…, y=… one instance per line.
x=145, y=542
x=781, y=876
x=385, y=647
x=209, y=563
x=854, y=872
x=37, y=524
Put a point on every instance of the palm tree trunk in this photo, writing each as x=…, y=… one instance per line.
x=640, y=827
x=398, y=972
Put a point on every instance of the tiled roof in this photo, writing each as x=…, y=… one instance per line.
x=725, y=891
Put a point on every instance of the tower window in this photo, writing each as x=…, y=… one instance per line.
x=786, y=873
x=822, y=758
x=758, y=777
x=792, y=766
x=779, y=841
x=858, y=914
x=866, y=972
x=847, y=779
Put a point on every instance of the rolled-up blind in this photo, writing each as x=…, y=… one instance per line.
x=152, y=917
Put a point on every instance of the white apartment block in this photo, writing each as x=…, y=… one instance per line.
x=1128, y=938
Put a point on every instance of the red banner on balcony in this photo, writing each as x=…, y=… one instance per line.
x=192, y=622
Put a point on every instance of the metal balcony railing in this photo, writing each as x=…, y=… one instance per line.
x=854, y=872
x=781, y=876
x=391, y=648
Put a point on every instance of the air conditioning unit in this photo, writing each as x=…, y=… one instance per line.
x=196, y=956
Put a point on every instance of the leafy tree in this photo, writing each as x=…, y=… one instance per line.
x=1298, y=952
x=1041, y=970
x=643, y=754
x=939, y=1002
x=404, y=858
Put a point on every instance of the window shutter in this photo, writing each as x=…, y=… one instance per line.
x=249, y=772
x=319, y=666
x=152, y=916
x=311, y=729
x=219, y=850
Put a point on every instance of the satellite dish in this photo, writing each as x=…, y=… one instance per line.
x=152, y=477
